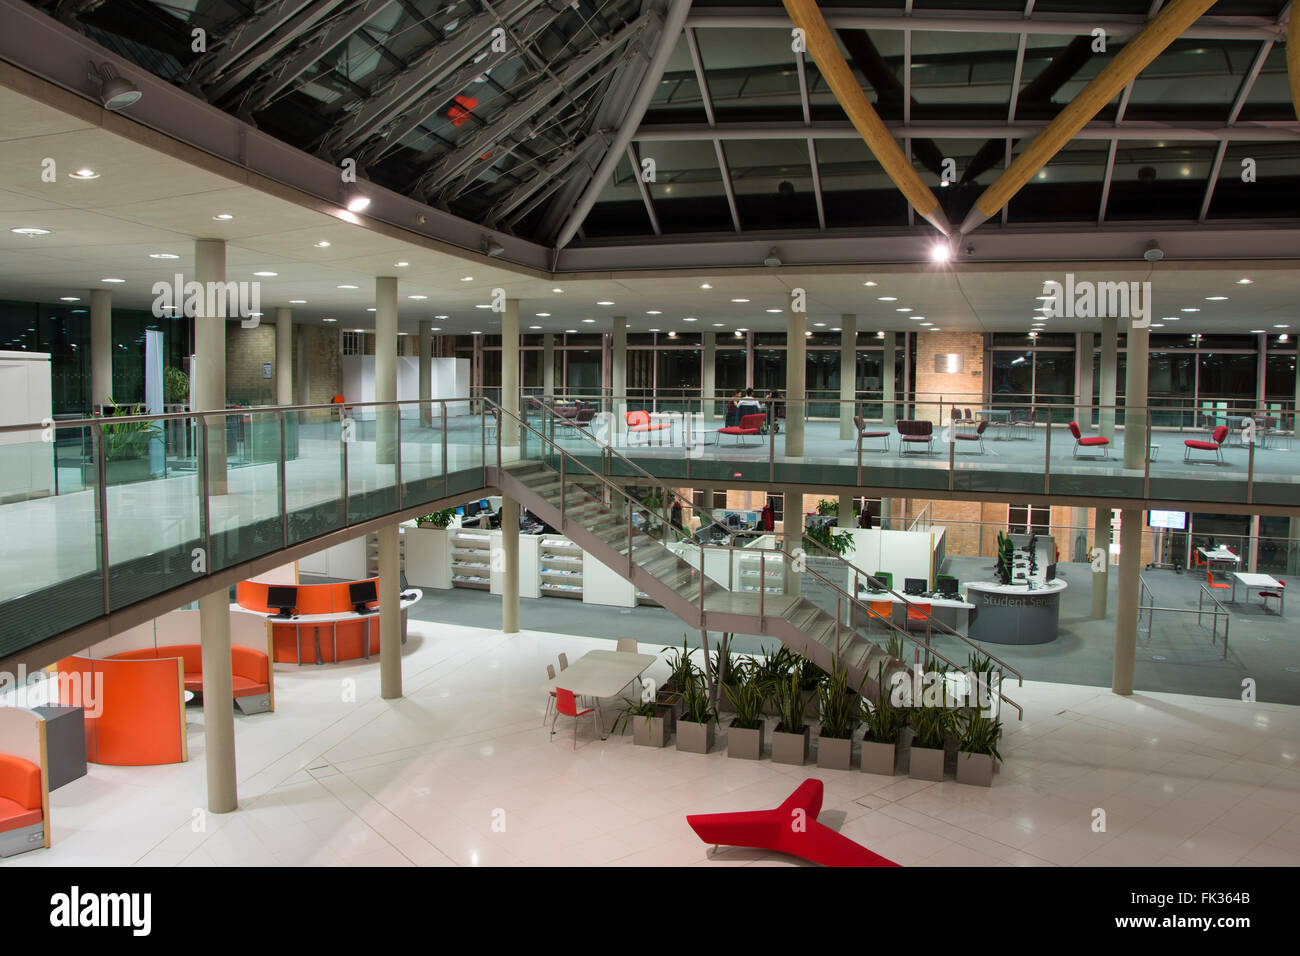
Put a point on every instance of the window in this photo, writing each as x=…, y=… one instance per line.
x=719, y=501
x=352, y=343
x=778, y=506
x=1026, y=519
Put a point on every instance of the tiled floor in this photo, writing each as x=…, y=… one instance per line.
x=461, y=772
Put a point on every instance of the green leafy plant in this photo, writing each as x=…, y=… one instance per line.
x=826, y=507
x=681, y=668
x=831, y=540
x=775, y=667
x=128, y=441
x=894, y=645
x=932, y=725
x=984, y=675
x=884, y=721
x=790, y=701
x=633, y=709
x=176, y=386
x=695, y=700
x=841, y=709
x=436, y=519
x=811, y=677
x=747, y=698
x=979, y=735
x=735, y=667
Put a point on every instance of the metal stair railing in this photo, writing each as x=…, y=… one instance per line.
x=808, y=544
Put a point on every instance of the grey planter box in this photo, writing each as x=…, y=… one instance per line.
x=695, y=738
x=650, y=731
x=834, y=753
x=791, y=748
x=975, y=769
x=671, y=706
x=926, y=764
x=878, y=758
x=746, y=744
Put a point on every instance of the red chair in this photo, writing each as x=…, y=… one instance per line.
x=1281, y=586
x=638, y=423
x=912, y=432
x=749, y=425
x=566, y=704
x=790, y=828
x=976, y=436
x=1215, y=444
x=1217, y=585
x=861, y=425
x=1092, y=441
x=918, y=612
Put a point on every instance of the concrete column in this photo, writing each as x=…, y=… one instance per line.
x=1135, y=398
x=385, y=369
x=708, y=376
x=218, y=701
x=1109, y=375
x=425, y=346
x=1101, y=579
x=304, y=366
x=209, y=370
x=390, y=614
x=1083, y=364
x=886, y=512
x=548, y=364
x=887, y=379
x=792, y=538
x=796, y=370
x=618, y=373
x=1126, y=614
x=101, y=346
x=844, y=517
x=283, y=356
x=510, y=581
x=1077, y=547
x=848, y=375
x=510, y=372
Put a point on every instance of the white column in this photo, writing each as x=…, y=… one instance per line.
x=887, y=380
x=510, y=372
x=1101, y=579
x=385, y=369
x=1126, y=614
x=708, y=376
x=618, y=373
x=548, y=364
x=1135, y=398
x=1083, y=378
x=283, y=356
x=1109, y=376
x=848, y=375
x=796, y=353
x=218, y=701
x=101, y=346
x=425, y=346
x=510, y=581
x=390, y=614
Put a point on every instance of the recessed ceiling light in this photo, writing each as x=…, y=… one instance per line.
x=401, y=264
x=329, y=320
x=589, y=321
x=672, y=334
x=889, y=298
x=820, y=325
x=739, y=300
x=880, y=334
x=534, y=326
x=742, y=329
x=543, y=315
x=163, y=255
x=418, y=298
x=836, y=328
x=347, y=287
x=806, y=334
x=653, y=312
x=1189, y=310
x=114, y=281
x=690, y=318
x=1256, y=331
x=569, y=331
x=466, y=278
x=868, y=283
x=31, y=231
x=654, y=330
x=69, y=298
x=358, y=203
x=442, y=316
x=323, y=244
x=83, y=173
x=1171, y=318
x=739, y=334
x=557, y=289
x=1216, y=298
x=705, y=285
x=903, y=309
x=297, y=301
x=483, y=306
x=435, y=328
x=776, y=311
x=915, y=318
x=223, y=216
x=1157, y=325
x=266, y=275
x=1245, y=281
x=605, y=302
x=370, y=309
x=1033, y=335
x=1282, y=326
x=927, y=323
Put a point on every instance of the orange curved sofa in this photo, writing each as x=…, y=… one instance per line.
x=250, y=667
x=20, y=793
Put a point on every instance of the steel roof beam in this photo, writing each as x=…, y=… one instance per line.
x=291, y=32
x=506, y=204
x=1264, y=132
x=248, y=34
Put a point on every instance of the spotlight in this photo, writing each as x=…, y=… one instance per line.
x=358, y=203
x=490, y=247
x=1153, y=251
x=115, y=92
x=772, y=259
x=940, y=252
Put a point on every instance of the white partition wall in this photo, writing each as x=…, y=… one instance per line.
x=346, y=561
x=26, y=460
x=904, y=554
x=450, y=380
x=530, y=583
x=600, y=585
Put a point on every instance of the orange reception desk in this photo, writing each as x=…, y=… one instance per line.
x=324, y=628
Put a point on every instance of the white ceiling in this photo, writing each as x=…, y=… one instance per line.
x=145, y=202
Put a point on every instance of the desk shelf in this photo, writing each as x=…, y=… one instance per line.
x=560, y=567
x=471, y=560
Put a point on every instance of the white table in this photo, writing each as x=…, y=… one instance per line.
x=959, y=620
x=602, y=674
x=1261, y=582
x=1220, y=555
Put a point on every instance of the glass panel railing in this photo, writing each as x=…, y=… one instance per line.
x=314, y=477
x=244, y=496
x=423, y=433
x=370, y=439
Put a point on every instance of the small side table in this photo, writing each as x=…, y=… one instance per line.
x=65, y=743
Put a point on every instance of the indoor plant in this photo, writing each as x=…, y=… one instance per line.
x=841, y=712
x=977, y=750
x=745, y=733
x=695, y=727
x=126, y=445
x=650, y=725
x=681, y=671
x=435, y=519
x=932, y=726
x=884, y=726
x=790, y=739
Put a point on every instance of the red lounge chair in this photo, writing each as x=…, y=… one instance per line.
x=860, y=424
x=976, y=436
x=1215, y=444
x=915, y=432
x=20, y=800
x=790, y=828
x=1281, y=586
x=1092, y=441
x=638, y=422
x=749, y=425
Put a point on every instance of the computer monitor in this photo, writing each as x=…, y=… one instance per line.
x=283, y=598
x=1051, y=573
x=484, y=504
x=361, y=593
x=915, y=585
x=1168, y=520
x=472, y=509
x=460, y=511
x=947, y=586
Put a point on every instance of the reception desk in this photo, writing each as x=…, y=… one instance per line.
x=1014, y=613
x=325, y=629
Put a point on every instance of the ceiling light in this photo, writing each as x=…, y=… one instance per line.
x=1171, y=318
x=705, y=285
x=1157, y=325
x=266, y=275
x=442, y=316
x=466, y=278
x=654, y=330
x=418, y=298
x=672, y=335
x=435, y=328
x=1245, y=281
x=1282, y=326
x=889, y=298
x=589, y=321
x=1283, y=337
x=69, y=298
x=1033, y=335
x=880, y=334
x=915, y=318
x=868, y=283
x=653, y=312
x=690, y=318
x=772, y=260
x=836, y=328
x=534, y=326
x=940, y=251
x=163, y=255
x=476, y=332
x=1189, y=310
x=1153, y=252
x=329, y=320
x=903, y=308
x=370, y=310
x=483, y=306
x=113, y=281
x=806, y=334
x=1216, y=298
x=739, y=334
x=739, y=300
x=927, y=323
x=31, y=231
x=323, y=244
x=569, y=331
x=543, y=315
x=1256, y=331
x=297, y=301
x=357, y=202
x=401, y=264
x=347, y=287
x=605, y=302
x=820, y=325
x=557, y=289
x=490, y=247
x=115, y=92
x=223, y=216
x=776, y=311
x=83, y=174
x=718, y=325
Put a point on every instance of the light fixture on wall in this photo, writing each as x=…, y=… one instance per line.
x=490, y=247
x=115, y=92
x=772, y=260
x=1153, y=251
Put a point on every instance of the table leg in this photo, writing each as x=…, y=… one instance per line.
x=1233, y=599
x=298, y=628
x=600, y=719
x=315, y=639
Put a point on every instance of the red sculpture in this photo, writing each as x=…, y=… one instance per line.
x=790, y=828
x=461, y=107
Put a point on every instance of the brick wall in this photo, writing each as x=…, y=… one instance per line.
x=246, y=351
x=966, y=386
x=324, y=375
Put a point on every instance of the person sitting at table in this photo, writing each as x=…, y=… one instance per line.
x=732, y=416
x=749, y=405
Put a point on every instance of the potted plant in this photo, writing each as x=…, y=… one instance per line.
x=884, y=727
x=774, y=668
x=841, y=711
x=650, y=725
x=977, y=750
x=695, y=727
x=728, y=672
x=428, y=550
x=790, y=739
x=681, y=671
x=176, y=386
x=436, y=519
x=811, y=680
x=745, y=732
x=932, y=725
x=126, y=446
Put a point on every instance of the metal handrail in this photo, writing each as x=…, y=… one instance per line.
x=1218, y=611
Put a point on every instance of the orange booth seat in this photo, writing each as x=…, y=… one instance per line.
x=135, y=708
x=20, y=793
x=250, y=669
